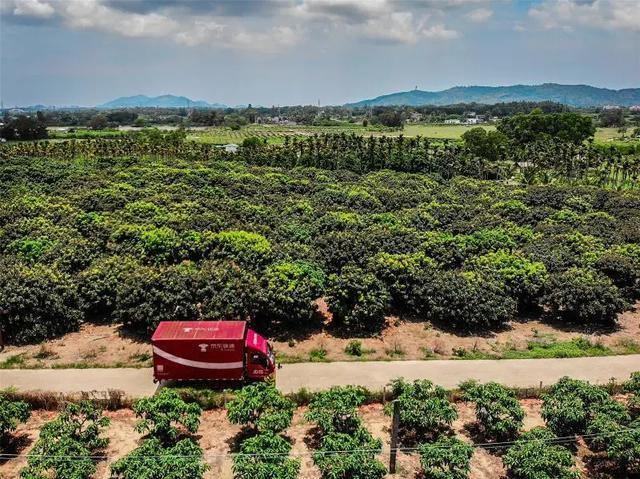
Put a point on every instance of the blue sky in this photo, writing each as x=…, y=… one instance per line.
x=87, y=52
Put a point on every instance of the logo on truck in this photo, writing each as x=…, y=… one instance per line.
x=204, y=347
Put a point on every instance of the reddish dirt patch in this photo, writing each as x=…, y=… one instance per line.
x=107, y=346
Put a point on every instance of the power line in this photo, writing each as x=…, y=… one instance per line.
x=485, y=445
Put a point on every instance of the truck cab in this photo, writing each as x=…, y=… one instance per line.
x=260, y=359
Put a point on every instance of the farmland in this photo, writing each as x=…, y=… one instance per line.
x=320, y=242
x=217, y=434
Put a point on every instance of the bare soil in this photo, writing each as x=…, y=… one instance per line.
x=218, y=438
x=109, y=346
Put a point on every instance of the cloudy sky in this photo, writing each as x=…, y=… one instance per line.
x=87, y=52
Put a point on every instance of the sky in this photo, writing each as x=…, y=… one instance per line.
x=287, y=52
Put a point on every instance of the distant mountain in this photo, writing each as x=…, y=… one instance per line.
x=573, y=95
x=163, y=101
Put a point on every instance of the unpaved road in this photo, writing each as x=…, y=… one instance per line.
x=371, y=374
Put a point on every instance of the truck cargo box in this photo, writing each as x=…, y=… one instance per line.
x=192, y=350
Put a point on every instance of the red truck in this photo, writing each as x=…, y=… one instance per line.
x=210, y=350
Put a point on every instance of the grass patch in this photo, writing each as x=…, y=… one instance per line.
x=15, y=361
x=318, y=355
x=45, y=353
x=574, y=348
x=396, y=351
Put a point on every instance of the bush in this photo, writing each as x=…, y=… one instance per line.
x=290, y=290
x=227, y=291
x=265, y=457
x=74, y=433
x=402, y=274
x=583, y=296
x=497, y=408
x=146, y=296
x=446, y=458
x=524, y=279
x=37, y=303
x=262, y=407
x=633, y=386
x=354, y=348
x=335, y=410
x=357, y=457
x=166, y=416
x=468, y=301
x=425, y=409
x=534, y=456
x=245, y=248
x=153, y=460
x=357, y=299
x=11, y=414
x=623, y=271
x=570, y=404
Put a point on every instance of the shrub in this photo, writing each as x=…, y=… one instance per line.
x=524, y=279
x=227, y=291
x=166, y=415
x=569, y=405
x=248, y=249
x=534, y=456
x=401, y=274
x=335, y=410
x=623, y=271
x=354, y=348
x=446, y=458
x=290, y=290
x=98, y=285
x=11, y=414
x=146, y=296
x=357, y=457
x=583, y=296
x=497, y=408
x=153, y=460
x=633, y=386
x=262, y=407
x=468, y=301
x=357, y=299
x=37, y=303
x=265, y=457
x=74, y=433
x=425, y=409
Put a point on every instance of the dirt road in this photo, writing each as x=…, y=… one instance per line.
x=371, y=374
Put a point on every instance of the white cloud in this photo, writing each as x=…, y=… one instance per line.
x=603, y=14
x=480, y=15
x=32, y=8
x=289, y=22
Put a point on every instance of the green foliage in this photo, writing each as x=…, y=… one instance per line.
x=489, y=145
x=148, y=227
x=74, y=433
x=566, y=127
x=153, y=460
x=534, y=456
x=262, y=407
x=265, y=457
x=446, y=458
x=357, y=299
x=354, y=348
x=403, y=274
x=11, y=414
x=357, y=461
x=165, y=415
x=524, y=279
x=633, y=386
x=583, y=296
x=498, y=410
x=570, y=404
x=290, y=290
x=425, y=409
x=38, y=302
x=335, y=410
x=468, y=301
